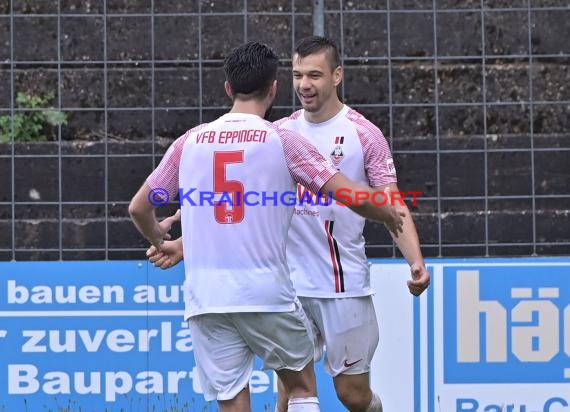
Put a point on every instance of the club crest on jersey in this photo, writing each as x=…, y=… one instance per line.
x=337, y=154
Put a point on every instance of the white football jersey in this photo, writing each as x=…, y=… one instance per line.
x=235, y=178
x=325, y=250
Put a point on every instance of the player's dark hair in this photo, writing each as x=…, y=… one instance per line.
x=251, y=69
x=318, y=44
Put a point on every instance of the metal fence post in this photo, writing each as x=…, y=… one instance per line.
x=319, y=17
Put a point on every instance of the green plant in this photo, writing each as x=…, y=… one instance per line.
x=31, y=126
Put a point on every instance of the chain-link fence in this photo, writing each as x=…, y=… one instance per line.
x=473, y=97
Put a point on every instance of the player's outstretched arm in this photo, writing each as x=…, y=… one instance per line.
x=358, y=198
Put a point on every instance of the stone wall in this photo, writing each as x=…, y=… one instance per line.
x=477, y=113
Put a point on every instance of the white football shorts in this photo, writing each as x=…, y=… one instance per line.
x=225, y=345
x=346, y=329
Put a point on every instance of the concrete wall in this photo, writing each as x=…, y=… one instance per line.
x=478, y=136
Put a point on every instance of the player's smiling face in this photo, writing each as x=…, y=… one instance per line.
x=315, y=81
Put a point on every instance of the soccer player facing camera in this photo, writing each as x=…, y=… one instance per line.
x=333, y=282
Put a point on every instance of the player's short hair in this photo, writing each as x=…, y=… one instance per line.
x=250, y=69
x=319, y=44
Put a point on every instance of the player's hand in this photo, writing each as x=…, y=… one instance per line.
x=161, y=232
x=169, y=255
x=166, y=224
x=420, y=279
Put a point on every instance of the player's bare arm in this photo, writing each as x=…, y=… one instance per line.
x=409, y=244
x=143, y=215
x=387, y=214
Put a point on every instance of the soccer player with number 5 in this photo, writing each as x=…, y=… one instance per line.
x=239, y=298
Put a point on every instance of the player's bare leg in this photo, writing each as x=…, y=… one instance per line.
x=241, y=403
x=354, y=392
x=282, y=397
x=301, y=387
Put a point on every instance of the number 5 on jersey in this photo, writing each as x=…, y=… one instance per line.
x=224, y=211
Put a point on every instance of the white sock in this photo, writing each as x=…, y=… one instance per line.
x=304, y=405
x=375, y=404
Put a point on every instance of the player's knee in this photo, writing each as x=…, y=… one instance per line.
x=354, y=398
x=353, y=402
x=298, y=384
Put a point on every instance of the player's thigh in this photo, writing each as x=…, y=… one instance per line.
x=312, y=311
x=281, y=339
x=223, y=359
x=350, y=330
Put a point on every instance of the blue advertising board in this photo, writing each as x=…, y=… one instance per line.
x=105, y=336
x=490, y=335
x=499, y=336
x=507, y=324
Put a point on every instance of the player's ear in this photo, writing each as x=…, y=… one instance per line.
x=229, y=90
x=271, y=92
x=338, y=74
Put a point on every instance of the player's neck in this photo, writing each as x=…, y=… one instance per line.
x=327, y=112
x=249, y=107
